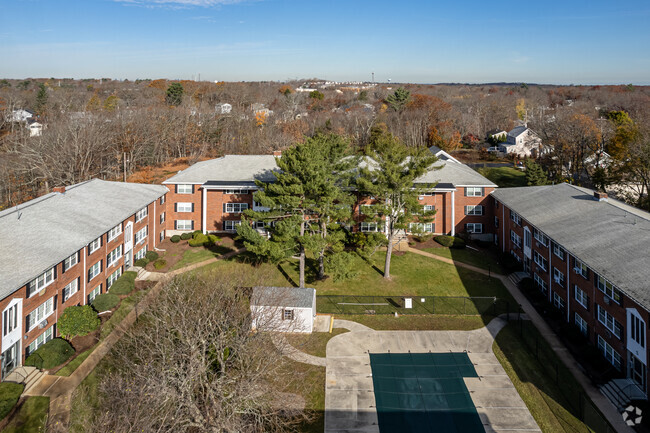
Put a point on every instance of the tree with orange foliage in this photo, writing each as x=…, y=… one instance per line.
x=286, y=90
x=260, y=118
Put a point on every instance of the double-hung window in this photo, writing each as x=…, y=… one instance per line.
x=41, y=313
x=428, y=208
x=421, y=227
x=558, y=301
x=287, y=314
x=162, y=200
x=637, y=330
x=474, y=228
x=515, y=218
x=184, y=189
x=41, y=340
x=473, y=191
x=114, y=232
x=141, y=235
x=113, y=278
x=235, y=207
x=541, y=261
x=541, y=283
x=581, y=297
x=496, y=222
x=113, y=256
x=368, y=227
x=93, y=294
x=184, y=224
x=184, y=207
x=231, y=225
x=558, y=276
x=540, y=237
x=515, y=238
x=140, y=254
x=94, y=270
x=141, y=214
x=558, y=251
x=608, y=289
x=580, y=268
x=162, y=217
x=581, y=324
x=609, y=353
x=10, y=319
x=474, y=210
x=608, y=320
x=94, y=245
x=70, y=261
x=235, y=191
x=70, y=289
x=41, y=282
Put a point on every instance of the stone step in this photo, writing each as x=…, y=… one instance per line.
x=32, y=379
x=615, y=396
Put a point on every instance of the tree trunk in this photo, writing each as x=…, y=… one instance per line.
x=321, y=254
x=301, y=284
x=389, y=253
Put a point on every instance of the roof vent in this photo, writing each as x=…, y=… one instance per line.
x=600, y=196
x=59, y=189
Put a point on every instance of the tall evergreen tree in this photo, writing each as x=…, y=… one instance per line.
x=389, y=176
x=175, y=94
x=306, y=201
x=535, y=174
x=399, y=99
x=41, y=100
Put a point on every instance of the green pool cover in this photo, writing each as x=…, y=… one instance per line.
x=424, y=393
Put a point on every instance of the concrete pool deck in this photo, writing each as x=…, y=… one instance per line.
x=349, y=393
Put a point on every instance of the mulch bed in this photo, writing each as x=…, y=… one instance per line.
x=174, y=252
x=83, y=343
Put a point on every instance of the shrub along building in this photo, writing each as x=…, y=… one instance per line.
x=65, y=248
x=211, y=195
x=589, y=255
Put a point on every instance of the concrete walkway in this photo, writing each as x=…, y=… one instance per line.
x=604, y=405
x=59, y=388
x=351, y=326
x=349, y=390
x=286, y=349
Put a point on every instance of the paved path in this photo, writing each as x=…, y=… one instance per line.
x=350, y=326
x=286, y=349
x=60, y=388
x=349, y=390
x=604, y=405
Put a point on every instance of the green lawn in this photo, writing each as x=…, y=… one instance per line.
x=31, y=417
x=436, y=322
x=71, y=366
x=312, y=389
x=480, y=259
x=201, y=254
x=505, y=177
x=314, y=343
x=552, y=402
x=126, y=305
x=9, y=395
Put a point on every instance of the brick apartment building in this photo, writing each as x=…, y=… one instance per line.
x=589, y=255
x=64, y=249
x=211, y=196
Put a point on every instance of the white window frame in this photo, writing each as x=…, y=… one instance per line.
x=496, y=222
x=162, y=199
x=94, y=293
x=234, y=207
x=184, y=224
x=113, y=278
x=113, y=257
x=558, y=251
x=141, y=254
x=514, y=216
x=94, y=270
x=609, y=353
x=184, y=188
x=580, y=268
x=162, y=236
x=558, y=301
x=39, y=314
x=368, y=227
x=540, y=261
x=581, y=324
x=608, y=289
x=46, y=336
x=70, y=261
x=141, y=235
x=558, y=276
x=141, y=214
x=231, y=225
x=41, y=282
x=94, y=245
x=473, y=191
x=288, y=314
x=428, y=208
x=162, y=217
x=541, y=282
x=540, y=237
x=515, y=239
x=581, y=296
x=70, y=289
x=637, y=330
x=184, y=207
x=608, y=321
x=235, y=191
x=476, y=228
x=114, y=232
x=474, y=209
x=10, y=319
x=422, y=227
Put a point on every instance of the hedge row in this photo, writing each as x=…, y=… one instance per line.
x=52, y=354
x=450, y=241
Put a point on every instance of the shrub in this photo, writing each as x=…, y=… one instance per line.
x=458, y=243
x=186, y=236
x=196, y=232
x=105, y=302
x=340, y=266
x=423, y=237
x=9, y=395
x=213, y=239
x=125, y=284
x=53, y=353
x=199, y=240
x=175, y=239
x=159, y=264
x=141, y=263
x=445, y=241
x=78, y=320
x=152, y=256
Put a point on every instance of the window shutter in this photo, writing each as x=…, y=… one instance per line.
x=466, y=191
x=224, y=208
x=176, y=188
x=192, y=186
x=192, y=207
x=482, y=191
x=192, y=225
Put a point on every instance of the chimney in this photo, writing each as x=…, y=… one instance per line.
x=600, y=196
x=277, y=153
x=59, y=189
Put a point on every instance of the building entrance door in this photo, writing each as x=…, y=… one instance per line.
x=10, y=359
x=638, y=371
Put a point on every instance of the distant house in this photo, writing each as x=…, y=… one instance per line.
x=20, y=115
x=521, y=141
x=283, y=309
x=35, y=129
x=223, y=108
x=260, y=109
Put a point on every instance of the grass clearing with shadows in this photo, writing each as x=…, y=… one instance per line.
x=505, y=177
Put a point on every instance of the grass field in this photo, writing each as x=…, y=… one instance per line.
x=72, y=365
x=31, y=417
x=418, y=323
x=479, y=259
x=9, y=395
x=505, y=177
x=314, y=343
x=200, y=254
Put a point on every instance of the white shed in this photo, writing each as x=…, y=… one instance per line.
x=283, y=309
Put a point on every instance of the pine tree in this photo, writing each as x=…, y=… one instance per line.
x=306, y=201
x=399, y=99
x=41, y=100
x=174, y=94
x=389, y=176
x=535, y=174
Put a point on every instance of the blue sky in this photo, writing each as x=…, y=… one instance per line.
x=549, y=41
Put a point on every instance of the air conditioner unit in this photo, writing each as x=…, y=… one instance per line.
x=607, y=300
x=43, y=324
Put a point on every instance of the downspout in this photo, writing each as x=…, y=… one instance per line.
x=203, y=210
x=453, y=213
x=568, y=293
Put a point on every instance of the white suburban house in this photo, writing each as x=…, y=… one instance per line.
x=20, y=115
x=35, y=129
x=283, y=309
x=521, y=141
x=223, y=108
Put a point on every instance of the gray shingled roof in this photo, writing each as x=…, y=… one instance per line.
x=291, y=297
x=517, y=130
x=241, y=168
x=36, y=235
x=610, y=237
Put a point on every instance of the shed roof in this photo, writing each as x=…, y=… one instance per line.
x=290, y=297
